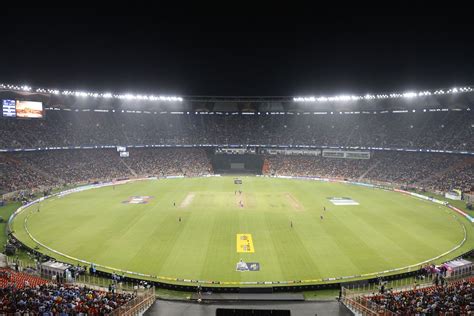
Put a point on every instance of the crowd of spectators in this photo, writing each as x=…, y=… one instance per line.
x=461, y=178
x=431, y=171
x=63, y=167
x=15, y=175
x=427, y=130
x=453, y=299
x=170, y=161
x=56, y=299
x=440, y=172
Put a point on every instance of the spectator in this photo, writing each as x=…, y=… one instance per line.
x=59, y=299
x=453, y=299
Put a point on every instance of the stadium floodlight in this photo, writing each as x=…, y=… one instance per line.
x=340, y=98
x=127, y=96
x=424, y=93
x=85, y=94
x=170, y=98
x=408, y=95
x=80, y=94
x=311, y=99
x=12, y=87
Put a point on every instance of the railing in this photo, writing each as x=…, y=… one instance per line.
x=361, y=306
x=138, y=305
x=22, y=265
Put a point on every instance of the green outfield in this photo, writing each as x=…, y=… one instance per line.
x=188, y=229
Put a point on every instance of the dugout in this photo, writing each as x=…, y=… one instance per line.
x=458, y=267
x=53, y=268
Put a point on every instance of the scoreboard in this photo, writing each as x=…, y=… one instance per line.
x=9, y=108
x=22, y=109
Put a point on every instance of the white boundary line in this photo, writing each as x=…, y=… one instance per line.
x=163, y=278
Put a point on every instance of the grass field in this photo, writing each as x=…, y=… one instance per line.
x=5, y=213
x=386, y=230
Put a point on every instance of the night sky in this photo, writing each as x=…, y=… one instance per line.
x=280, y=56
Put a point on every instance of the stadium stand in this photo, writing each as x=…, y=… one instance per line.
x=438, y=130
x=438, y=172
x=432, y=130
x=59, y=167
x=23, y=294
x=455, y=298
x=12, y=278
x=418, y=169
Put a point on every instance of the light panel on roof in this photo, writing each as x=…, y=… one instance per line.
x=407, y=95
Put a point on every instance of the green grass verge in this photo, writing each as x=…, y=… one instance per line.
x=5, y=212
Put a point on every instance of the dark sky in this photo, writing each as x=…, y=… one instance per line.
x=235, y=55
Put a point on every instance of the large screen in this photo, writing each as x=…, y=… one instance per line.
x=237, y=165
x=29, y=109
x=9, y=108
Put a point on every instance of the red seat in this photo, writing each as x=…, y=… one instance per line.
x=18, y=279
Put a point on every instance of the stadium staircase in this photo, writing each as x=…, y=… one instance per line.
x=128, y=167
x=265, y=167
x=368, y=170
